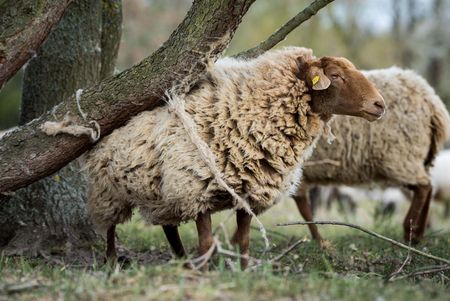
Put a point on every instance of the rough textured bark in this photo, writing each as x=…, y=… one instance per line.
x=28, y=154
x=111, y=33
x=24, y=25
x=50, y=216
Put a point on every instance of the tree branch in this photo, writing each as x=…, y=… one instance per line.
x=379, y=236
x=27, y=154
x=281, y=33
x=24, y=25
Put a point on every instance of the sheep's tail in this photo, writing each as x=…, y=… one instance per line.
x=440, y=128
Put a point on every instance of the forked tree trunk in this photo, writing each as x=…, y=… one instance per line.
x=49, y=216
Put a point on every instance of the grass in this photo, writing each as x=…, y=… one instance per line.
x=354, y=269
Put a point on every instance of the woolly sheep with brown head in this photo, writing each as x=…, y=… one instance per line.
x=395, y=151
x=260, y=118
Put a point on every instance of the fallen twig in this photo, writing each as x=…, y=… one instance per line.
x=284, y=253
x=289, y=249
x=423, y=271
x=392, y=241
x=203, y=259
x=17, y=288
x=408, y=257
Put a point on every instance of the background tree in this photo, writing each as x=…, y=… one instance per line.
x=50, y=215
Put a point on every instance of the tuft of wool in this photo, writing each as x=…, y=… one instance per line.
x=67, y=126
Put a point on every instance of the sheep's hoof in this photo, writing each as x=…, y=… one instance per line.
x=413, y=235
x=415, y=238
x=326, y=245
x=122, y=261
x=188, y=265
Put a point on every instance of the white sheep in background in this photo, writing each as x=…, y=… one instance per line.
x=396, y=151
x=260, y=118
x=440, y=177
x=348, y=198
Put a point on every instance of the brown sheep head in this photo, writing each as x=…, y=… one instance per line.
x=337, y=87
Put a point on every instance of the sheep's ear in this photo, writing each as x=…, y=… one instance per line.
x=312, y=74
x=318, y=79
x=303, y=68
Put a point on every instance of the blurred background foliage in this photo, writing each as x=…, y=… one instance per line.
x=372, y=33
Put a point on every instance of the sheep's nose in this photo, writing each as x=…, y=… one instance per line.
x=379, y=104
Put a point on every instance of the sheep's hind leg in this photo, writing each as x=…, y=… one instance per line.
x=417, y=213
x=173, y=237
x=242, y=235
x=303, y=205
x=111, y=254
x=205, y=237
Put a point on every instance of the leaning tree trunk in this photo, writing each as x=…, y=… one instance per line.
x=49, y=216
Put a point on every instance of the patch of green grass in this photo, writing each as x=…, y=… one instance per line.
x=354, y=269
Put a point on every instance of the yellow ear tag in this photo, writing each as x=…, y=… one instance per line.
x=315, y=80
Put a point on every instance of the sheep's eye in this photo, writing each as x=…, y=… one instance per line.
x=335, y=76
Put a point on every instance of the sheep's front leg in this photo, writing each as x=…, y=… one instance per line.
x=417, y=213
x=242, y=235
x=205, y=237
x=303, y=205
x=173, y=237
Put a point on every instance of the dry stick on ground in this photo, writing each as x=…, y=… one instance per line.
x=198, y=262
x=408, y=257
x=20, y=287
x=392, y=241
x=281, y=33
x=423, y=271
x=284, y=253
x=289, y=249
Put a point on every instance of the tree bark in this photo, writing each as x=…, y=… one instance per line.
x=28, y=154
x=111, y=33
x=50, y=215
x=24, y=25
